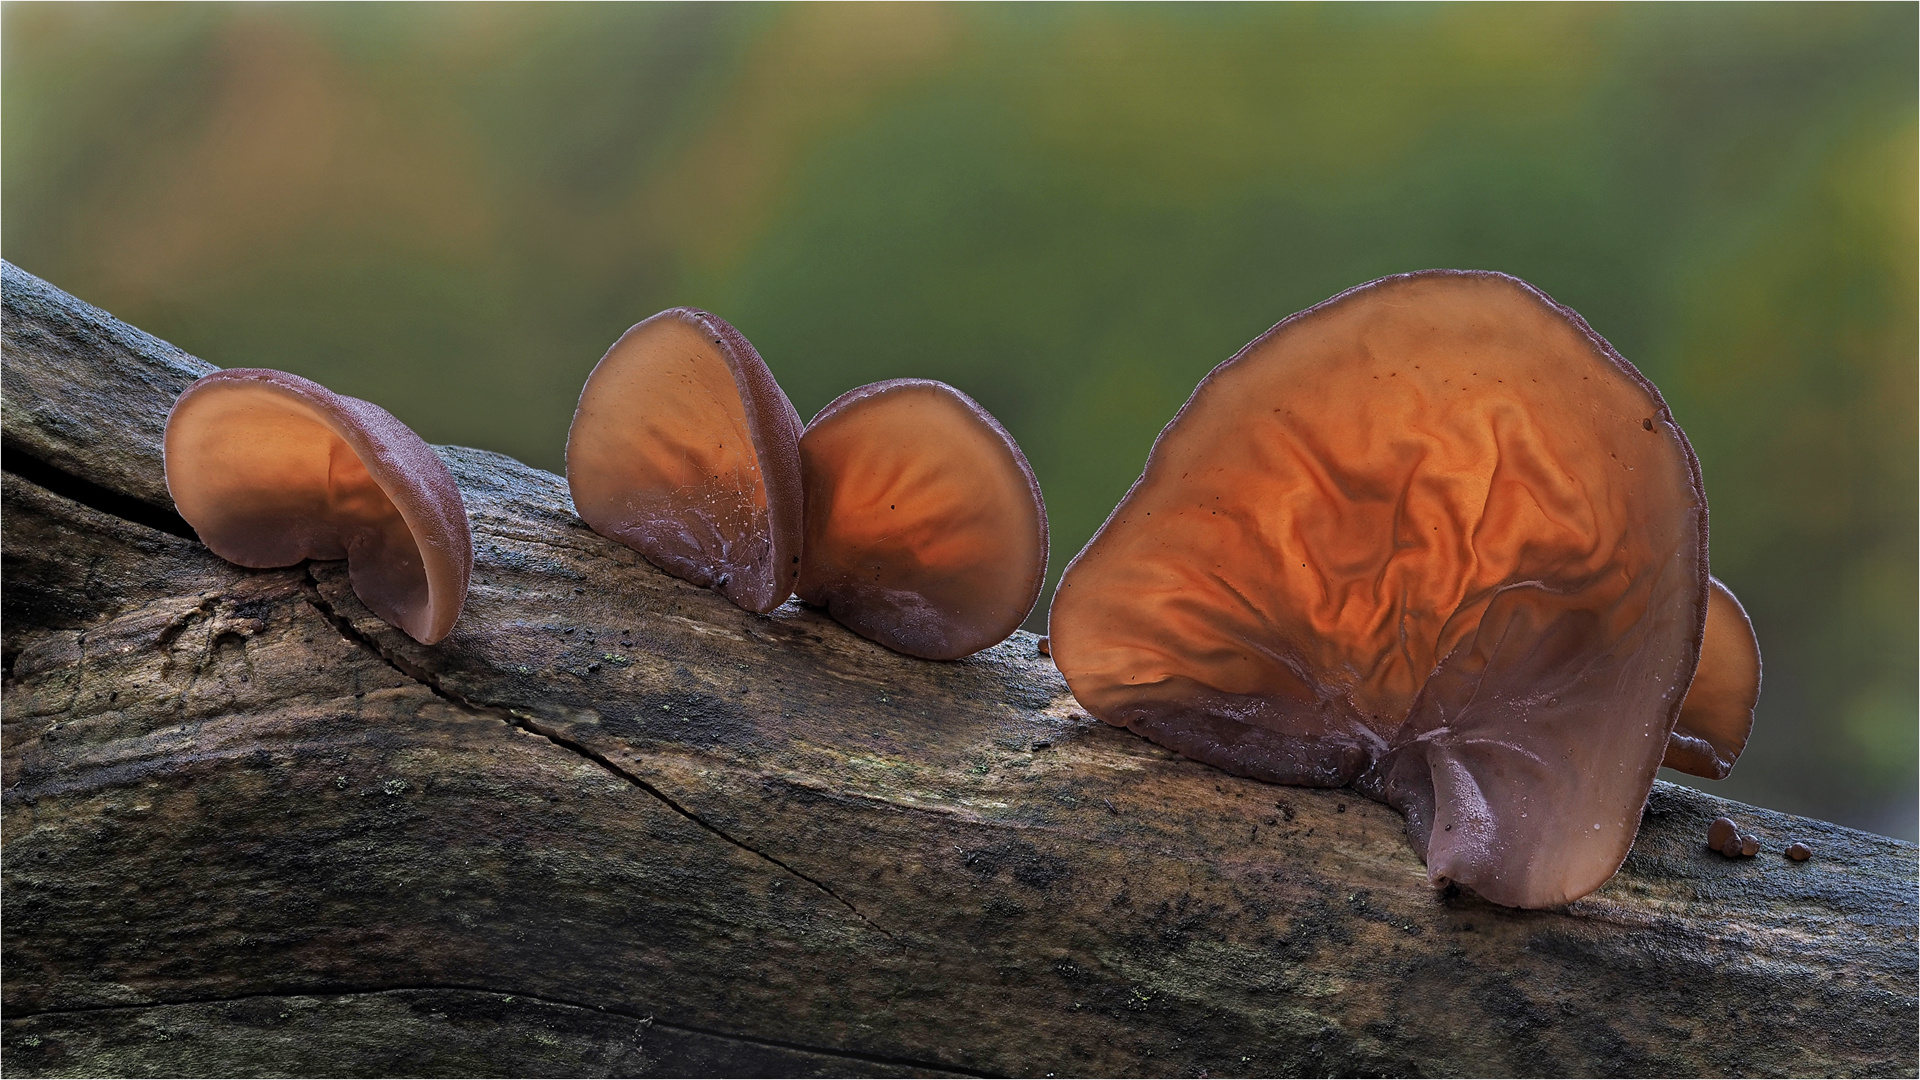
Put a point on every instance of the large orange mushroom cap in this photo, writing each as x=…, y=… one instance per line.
x=1433, y=538
x=271, y=469
x=925, y=527
x=685, y=449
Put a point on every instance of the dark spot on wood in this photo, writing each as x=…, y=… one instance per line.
x=1029, y=866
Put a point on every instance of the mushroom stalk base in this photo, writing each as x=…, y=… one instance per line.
x=616, y=825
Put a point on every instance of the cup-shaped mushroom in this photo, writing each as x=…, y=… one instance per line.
x=271, y=469
x=1717, y=716
x=1434, y=538
x=925, y=527
x=685, y=449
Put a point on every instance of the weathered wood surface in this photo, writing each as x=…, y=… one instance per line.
x=614, y=825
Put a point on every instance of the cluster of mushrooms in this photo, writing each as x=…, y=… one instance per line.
x=1432, y=539
x=1725, y=836
x=904, y=509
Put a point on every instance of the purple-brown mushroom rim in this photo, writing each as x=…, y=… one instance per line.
x=1432, y=538
x=926, y=531
x=272, y=469
x=685, y=449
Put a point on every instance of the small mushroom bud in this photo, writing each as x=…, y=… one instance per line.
x=1722, y=832
x=272, y=469
x=1749, y=845
x=1799, y=852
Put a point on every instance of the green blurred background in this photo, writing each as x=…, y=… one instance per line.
x=1071, y=213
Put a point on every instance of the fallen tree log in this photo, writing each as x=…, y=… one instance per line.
x=615, y=825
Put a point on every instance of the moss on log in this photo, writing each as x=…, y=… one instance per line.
x=616, y=826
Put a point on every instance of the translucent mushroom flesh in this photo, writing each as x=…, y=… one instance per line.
x=1433, y=538
x=685, y=449
x=271, y=469
x=925, y=530
x=1717, y=716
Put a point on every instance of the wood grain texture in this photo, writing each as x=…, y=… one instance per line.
x=616, y=825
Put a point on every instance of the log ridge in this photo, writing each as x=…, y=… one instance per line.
x=614, y=825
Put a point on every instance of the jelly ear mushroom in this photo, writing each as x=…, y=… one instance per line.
x=1433, y=538
x=271, y=469
x=685, y=449
x=925, y=527
x=1717, y=716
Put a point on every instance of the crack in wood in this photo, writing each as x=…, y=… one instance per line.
x=647, y=1020
x=23, y=464
x=310, y=587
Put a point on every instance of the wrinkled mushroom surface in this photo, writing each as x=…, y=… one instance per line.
x=1433, y=538
x=925, y=530
x=685, y=449
x=270, y=469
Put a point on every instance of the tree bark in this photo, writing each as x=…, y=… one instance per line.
x=615, y=825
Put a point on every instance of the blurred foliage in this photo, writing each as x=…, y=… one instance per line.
x=1070, y=212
